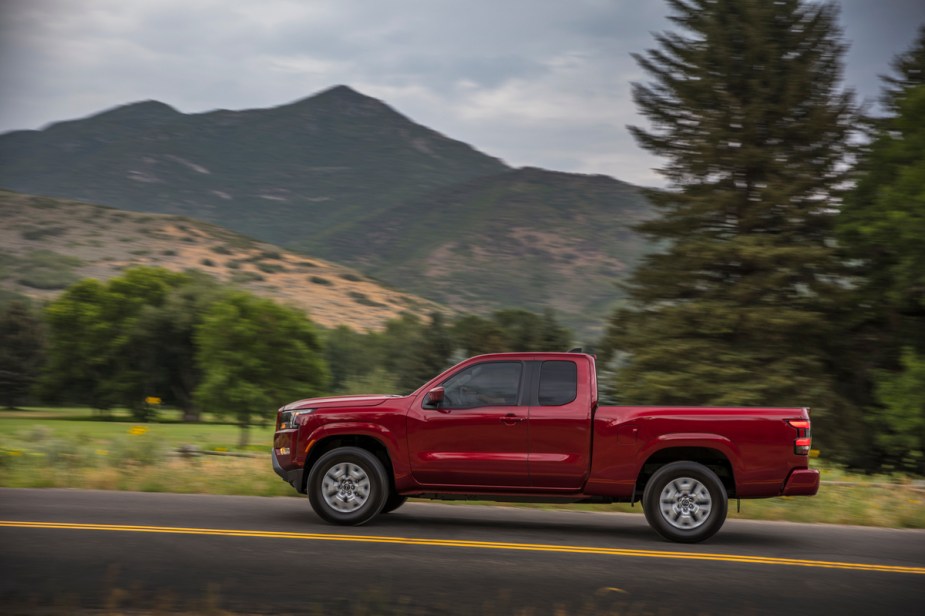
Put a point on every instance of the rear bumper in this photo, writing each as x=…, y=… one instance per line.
x=802, y=482
x=293, y=477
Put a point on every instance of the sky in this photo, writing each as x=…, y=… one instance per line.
x=542, y=83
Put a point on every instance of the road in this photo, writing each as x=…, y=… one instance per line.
x=71, y=551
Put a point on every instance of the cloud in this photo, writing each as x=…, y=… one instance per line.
x=534, y=82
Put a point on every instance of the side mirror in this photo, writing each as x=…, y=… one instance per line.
x=435, y=396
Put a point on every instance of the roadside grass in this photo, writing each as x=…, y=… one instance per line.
x=31, y=426
x=62, y=448
x=866, y=504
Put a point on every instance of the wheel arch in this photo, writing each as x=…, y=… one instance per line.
x=326, y=443
x=711, y=457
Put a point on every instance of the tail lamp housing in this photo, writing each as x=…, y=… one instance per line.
x=804, y=440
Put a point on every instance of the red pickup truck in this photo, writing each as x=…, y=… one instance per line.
x=528, y=426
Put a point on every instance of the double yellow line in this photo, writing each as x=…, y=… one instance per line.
x=484, y=545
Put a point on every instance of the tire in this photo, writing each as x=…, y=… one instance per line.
x=393, y=502
x=348, y=486
x=685, y=502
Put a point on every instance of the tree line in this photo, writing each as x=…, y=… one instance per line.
x=197, y=345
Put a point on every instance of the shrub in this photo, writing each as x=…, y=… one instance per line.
x=38, y=233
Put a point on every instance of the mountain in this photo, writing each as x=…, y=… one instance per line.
x=345, y=177
x=46, y=244
x=276, y=174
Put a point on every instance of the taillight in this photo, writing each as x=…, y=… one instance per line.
x=804, y=440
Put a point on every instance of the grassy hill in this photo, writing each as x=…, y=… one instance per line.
x=46, y=244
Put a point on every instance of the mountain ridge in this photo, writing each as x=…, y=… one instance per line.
x=321, y=173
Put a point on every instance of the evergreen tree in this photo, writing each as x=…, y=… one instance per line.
x=909, y=72
x=882, y=226
x=745, y=109
x=882, y=232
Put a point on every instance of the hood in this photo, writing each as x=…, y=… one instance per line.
x=338, y=401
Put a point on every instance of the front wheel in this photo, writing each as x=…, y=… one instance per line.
x=685, y=502
x=348, y=486
x=394, y=502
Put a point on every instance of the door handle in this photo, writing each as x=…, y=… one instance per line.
x=510, y=419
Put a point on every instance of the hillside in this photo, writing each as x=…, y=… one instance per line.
x=345, y=177
x=46, y=244
x=525, y=237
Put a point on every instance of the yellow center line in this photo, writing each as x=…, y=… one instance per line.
x=461, y=543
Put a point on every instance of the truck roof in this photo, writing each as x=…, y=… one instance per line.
x=524, y=355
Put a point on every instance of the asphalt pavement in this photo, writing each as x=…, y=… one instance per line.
x=85, y=551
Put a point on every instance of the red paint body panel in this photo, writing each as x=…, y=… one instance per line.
x=802, y=482
x=575, y=449
x=560, y=438
x=482, y=447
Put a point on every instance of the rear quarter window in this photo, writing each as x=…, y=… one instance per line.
x=558, y=383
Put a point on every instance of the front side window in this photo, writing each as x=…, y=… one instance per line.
x=558, y=383
x=488, y=384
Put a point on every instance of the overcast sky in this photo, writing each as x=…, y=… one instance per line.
x=535, y=82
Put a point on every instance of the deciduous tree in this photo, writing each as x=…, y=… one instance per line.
x=256, y=355
x=22, y=351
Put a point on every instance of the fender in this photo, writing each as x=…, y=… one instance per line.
x=380, y=433
x=705, y=440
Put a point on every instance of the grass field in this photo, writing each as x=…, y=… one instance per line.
x=83, y=424
x=73, y=448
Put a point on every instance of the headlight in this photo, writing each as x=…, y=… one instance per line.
x=290, y=419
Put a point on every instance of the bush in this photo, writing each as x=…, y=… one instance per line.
x=38, y=233
x=47, y=270
x=364, y=300
x=270, y=268
x=244, y=277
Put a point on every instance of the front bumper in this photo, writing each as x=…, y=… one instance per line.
x=293, y=477
x=802, y=482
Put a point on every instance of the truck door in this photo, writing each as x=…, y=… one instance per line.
x=560, y=425
x=478, y=435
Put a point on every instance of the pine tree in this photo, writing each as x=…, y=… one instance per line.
x=882, y=232
x=746, y=111
x=882, y=226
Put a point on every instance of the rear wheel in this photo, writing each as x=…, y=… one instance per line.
x=348, y=486
x=685, y=502
x=394, y=502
